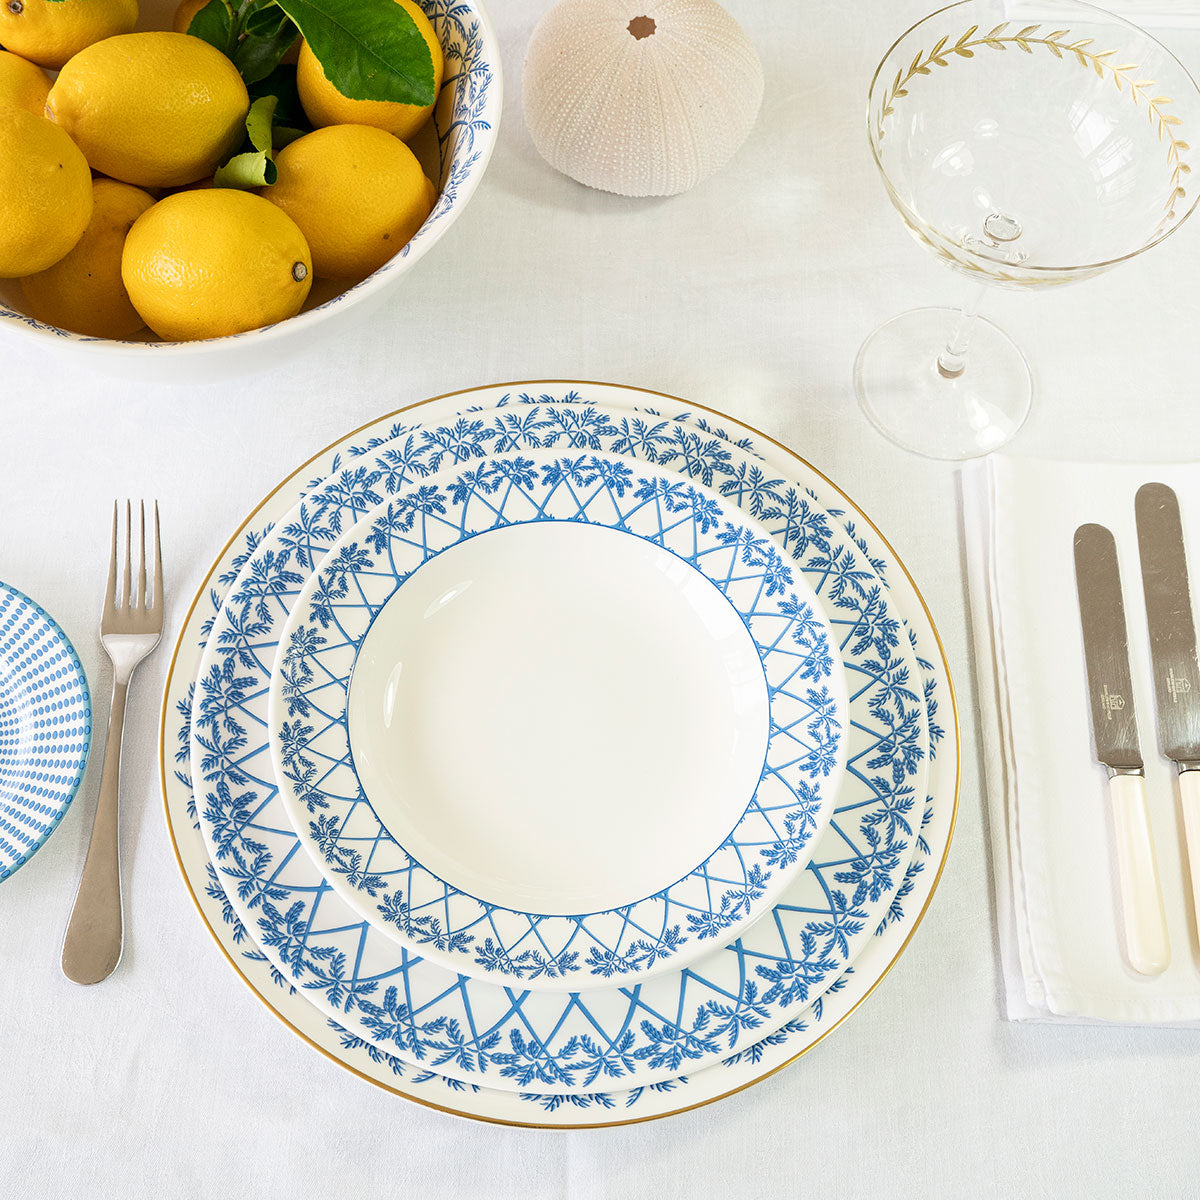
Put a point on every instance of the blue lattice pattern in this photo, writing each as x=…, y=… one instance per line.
x=787, y=808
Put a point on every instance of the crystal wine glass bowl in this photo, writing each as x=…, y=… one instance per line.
x=1027, y=144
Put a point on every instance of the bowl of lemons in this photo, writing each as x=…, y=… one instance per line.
x=186, y=185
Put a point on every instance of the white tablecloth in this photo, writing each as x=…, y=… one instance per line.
x=750, y=294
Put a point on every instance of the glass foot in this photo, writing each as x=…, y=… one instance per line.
x=915, y=405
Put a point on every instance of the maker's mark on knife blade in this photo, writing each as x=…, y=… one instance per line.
x=1170, y=620
x=1106, y=649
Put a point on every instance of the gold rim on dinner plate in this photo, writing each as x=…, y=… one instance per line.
x=530, y=383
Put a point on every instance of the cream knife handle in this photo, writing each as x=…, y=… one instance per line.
x=1189, y=800
x=1141, y=898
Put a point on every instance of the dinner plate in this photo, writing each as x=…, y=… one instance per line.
x=45, y=727
x=470, y=1028
x=557, y=721
x=601, y=1107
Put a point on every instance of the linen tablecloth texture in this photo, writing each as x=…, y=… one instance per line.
x=752, y=293
x=1058, y=907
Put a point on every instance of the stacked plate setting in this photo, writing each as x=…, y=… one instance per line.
x=552, y=755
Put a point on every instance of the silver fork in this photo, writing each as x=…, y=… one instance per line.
x=130, y=627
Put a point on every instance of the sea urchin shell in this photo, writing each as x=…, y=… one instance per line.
x=640, y=97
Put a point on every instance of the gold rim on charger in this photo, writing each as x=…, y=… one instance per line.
x=527, y=383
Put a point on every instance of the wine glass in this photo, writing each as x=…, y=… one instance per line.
x=1027, y=143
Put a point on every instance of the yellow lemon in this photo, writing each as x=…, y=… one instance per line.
x=357, y=193
x=152, y=109
x=209, y=263
x=45, y=193
x=83, y=292
x=325, y=105
x=50, y=31
x=23, y=83
x=185, y=12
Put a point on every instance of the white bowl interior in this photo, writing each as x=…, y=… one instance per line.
x=547, y=697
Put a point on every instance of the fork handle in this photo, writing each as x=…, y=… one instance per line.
x=92, y=945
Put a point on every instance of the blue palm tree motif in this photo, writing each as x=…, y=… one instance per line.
x=425, y=930
x=803, y=524
x=353, y=492
x=799, y=826
x=465, y=439
x=875, y=626
x=242, y=633
x=295, y=669
x=752, y=490
x=809, y=634
x=522, y=428
x=299, y=537
x=269, y=578
x=895, y=805
x=698, y=458
x=401, y=465
x=670, y=1045
x=641, y=439
x=847, y=577
x=580, y=426
x=793, y=979
x=871, y=871
x=530, y=1062
x=228, y=815
x=744, y=1016
x=221, y=753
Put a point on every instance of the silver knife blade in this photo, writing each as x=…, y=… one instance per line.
x=1169, y=614
x=1106, y=649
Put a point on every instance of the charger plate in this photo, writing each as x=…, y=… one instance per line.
x=470, y=1028
x=592, y=1108
x=595, y=698
x=45, y=727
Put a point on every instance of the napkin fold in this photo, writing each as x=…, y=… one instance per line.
x=1058, y=907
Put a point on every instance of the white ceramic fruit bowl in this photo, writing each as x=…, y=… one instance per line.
x=454, y=148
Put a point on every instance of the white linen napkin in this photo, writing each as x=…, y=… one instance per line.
x=1058, y=908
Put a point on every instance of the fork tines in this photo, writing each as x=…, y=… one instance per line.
x=128, y=600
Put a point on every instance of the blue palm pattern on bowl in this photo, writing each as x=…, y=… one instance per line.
x=421, y=1083
x=45, y=727
x=358, y=577
x=472, y=76
x=464, y=1027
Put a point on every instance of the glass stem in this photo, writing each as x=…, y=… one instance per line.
x=952, y=361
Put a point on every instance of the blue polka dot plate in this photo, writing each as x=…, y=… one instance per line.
x=45, y=727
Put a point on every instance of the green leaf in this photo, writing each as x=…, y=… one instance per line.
x=258, y=54
x=368, y=49
x=214, y=25
x=258, y=122
x=253, y=167
x=290, y=119
x=250, y=170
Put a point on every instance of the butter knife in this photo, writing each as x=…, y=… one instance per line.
x=1114, y=726
x=1173, y=653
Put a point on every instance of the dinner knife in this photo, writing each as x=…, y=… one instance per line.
x=1114, y=726
x=1173, y=653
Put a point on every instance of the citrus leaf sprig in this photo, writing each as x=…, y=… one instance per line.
x=368, y=49
x=254, y=167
